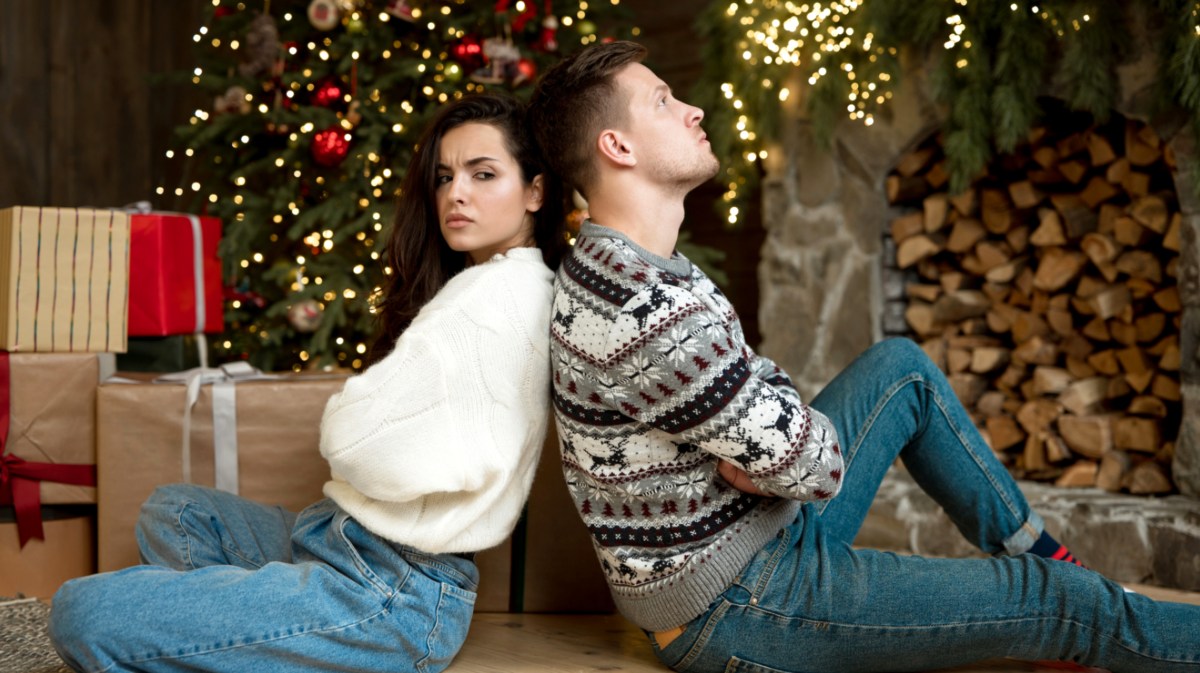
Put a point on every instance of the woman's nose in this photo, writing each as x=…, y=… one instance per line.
x=457, y=190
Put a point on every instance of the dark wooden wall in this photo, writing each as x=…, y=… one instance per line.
x=80, y=122
x=83, y=123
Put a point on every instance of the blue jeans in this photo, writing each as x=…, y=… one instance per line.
x=809, y=602
x=231, y=585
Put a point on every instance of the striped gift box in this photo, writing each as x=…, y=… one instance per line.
x=64, y=280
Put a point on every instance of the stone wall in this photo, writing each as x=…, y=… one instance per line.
x=826, y=215
x=1126, y=538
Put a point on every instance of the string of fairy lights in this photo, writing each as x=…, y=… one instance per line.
x=780, y=38
x=445, y=80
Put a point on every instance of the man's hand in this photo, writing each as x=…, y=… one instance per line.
x=738, y=478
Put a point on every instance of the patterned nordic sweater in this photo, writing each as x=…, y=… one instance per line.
x=653, y=385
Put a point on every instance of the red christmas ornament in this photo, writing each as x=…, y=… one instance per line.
x=222, y=11
x=328, y=94
x=526, y=71
x=468, y=52
x=330, y=147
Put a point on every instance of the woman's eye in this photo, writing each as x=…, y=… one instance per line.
x=441, y=180
x=484, y=175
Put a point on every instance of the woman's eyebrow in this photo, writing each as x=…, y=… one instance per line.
x=470, y=162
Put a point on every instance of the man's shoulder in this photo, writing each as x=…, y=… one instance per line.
x=599, y=260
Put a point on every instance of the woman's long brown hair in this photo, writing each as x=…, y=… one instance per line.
x=420, y=260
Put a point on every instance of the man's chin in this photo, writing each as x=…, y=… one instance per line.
x=706, y=173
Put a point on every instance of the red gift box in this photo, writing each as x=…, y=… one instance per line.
x=174, y=275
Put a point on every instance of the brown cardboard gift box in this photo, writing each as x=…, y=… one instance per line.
x=53, y=414
x=140, y=446
x=64, y=280
x=41, y=566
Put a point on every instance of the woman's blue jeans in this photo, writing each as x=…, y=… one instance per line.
x=231, y=585
x=809, y=602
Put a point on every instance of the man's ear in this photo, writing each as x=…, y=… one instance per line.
x=536, y=195
x=615, y=147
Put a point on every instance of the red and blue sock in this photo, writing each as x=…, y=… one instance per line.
x=1048, y=547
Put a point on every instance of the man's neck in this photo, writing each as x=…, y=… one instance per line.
x=651, y=220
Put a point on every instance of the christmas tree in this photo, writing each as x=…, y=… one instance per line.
x=316, y=106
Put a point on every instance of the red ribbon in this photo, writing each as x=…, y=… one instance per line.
x=20, y=479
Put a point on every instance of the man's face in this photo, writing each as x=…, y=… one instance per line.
x=669, y=144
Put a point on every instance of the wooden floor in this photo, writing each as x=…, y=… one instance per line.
x=538, y=643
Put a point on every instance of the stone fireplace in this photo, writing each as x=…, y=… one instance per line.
x=824, y=300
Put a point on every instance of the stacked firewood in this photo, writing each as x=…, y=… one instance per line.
x=1047, y=292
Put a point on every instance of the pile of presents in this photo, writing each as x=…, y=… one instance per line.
x=105, y=395
x=86, y=298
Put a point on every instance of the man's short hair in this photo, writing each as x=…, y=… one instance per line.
x=576, y=100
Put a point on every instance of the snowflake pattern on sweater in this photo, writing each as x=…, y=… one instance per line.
x=653, y=385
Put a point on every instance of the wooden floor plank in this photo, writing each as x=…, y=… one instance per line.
x=547, y=643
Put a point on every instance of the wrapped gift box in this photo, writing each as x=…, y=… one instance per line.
x=174, y=275
x=40, y=567
x=140, y=446
x=64, y=279
x=52, y=414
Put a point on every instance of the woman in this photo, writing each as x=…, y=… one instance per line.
x=432, y=453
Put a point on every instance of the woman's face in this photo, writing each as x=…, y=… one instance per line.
x=484, y=205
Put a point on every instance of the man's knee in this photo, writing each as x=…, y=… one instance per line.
x=900, y=349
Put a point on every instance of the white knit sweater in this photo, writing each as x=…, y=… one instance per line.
x=435, y=445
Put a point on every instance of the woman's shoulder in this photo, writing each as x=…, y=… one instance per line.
x=519, y=276
x=521, y=267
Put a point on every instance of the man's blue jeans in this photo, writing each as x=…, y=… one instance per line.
x=809, y=602
x=231, y=585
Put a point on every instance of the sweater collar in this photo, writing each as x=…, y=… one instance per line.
x=677, y=264
x=528, y=254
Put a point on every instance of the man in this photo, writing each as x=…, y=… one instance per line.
x=712, y=491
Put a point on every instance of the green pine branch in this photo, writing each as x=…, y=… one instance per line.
x=989, y=89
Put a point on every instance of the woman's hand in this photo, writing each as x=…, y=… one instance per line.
x=738, y=478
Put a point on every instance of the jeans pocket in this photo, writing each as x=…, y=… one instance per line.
x=737, y=665
x=341, y=522
x=451, y=622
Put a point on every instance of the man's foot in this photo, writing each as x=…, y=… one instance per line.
x=1048, y=547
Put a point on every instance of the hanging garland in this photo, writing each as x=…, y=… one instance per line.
x=991, y=60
